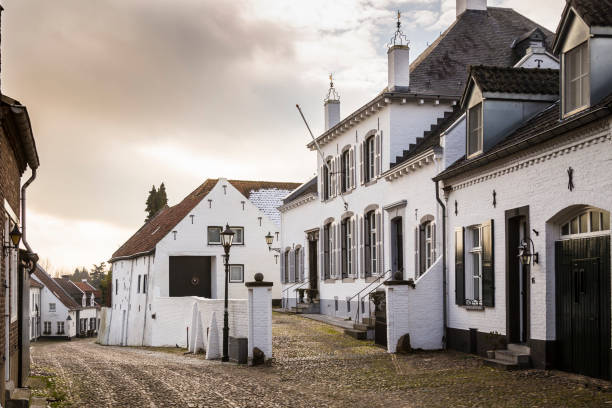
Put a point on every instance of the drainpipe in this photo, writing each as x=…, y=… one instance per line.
x=23, y=214
x=444, y=299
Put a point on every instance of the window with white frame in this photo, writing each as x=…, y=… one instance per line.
x=92, y=301
x=214, y=235
x=60, y=328
x=474, y=145
x=84, y=300
x=47, y=328
x=370, y=158
x=52, y=307
x=236, y=273
x=327, y=251
x=473, y=281
x=371, y=255
x=587, y=222
x=347, y=245
x=576, y=88
x=238, y=235
x=346, y=171
x=144, y=283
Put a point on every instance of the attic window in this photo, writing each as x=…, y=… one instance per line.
x=155, y=230
x=474, y=142
x=576, y=78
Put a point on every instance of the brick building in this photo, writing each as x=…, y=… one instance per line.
x=17, y=152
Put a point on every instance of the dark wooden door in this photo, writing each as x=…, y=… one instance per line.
x=313, y=271
x=583, y=305
x=518, y=278
x=190, y=276
x=380, y=324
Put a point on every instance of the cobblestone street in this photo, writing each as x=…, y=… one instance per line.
x=315, y=366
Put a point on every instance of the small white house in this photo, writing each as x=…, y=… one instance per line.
x=58, y=310
x=178, y=253
x=35, y=312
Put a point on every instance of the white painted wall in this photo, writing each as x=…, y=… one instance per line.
x=34, y=315
x=60, y=314
x=537, y=178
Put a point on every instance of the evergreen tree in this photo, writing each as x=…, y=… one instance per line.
x=156, y=200
x=161, y=199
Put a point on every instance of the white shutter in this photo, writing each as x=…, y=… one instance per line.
x=416, y=252
x=292, y=266
x=379, y=240
x=433, y=242
x=322, y=183
x=361, y=169
x=322, y=254
x=282, y=266
x=377, y=155
x=361, y=224
x=351, y=169
x=338, y=175
x=337, y=251
x=353, y=249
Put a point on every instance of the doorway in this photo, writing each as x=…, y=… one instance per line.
x=313, y=272
x=190, y=276
x=518, y=278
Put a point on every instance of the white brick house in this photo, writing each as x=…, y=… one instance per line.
x=374, y=211
x=178, y=253
x=536, y=183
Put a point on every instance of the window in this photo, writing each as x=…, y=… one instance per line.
x=92, y=323
x=60, y=327
x=326, y=181
x=47, y=328
x=214, y=235
x=474, y=267
x=588, y=222
x=52, y=307
x=576, y=78
x=347, y=246
x=297, y=262
x=346, y=171
x=138, y=287
x=371, y=255
x=144, y=283
x=92, y=300
x=397, y=245
x=327, y=251
x=286, y=265
x=238, y=235
x=426, y=245
x=116, y=286
x=370, y=157
x=475, y=130
x=84, y=300
x=236, y=273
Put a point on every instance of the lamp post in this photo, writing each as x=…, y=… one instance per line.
x=227, y=237
x=269, y=240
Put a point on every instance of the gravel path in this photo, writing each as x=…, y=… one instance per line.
x=315, y=366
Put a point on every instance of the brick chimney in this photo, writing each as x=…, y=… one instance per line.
x=398, y=60
x=464, y=5
x=331, y=106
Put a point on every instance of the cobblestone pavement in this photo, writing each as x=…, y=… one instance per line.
x=315, y=366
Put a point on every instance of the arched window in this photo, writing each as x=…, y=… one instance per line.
x=326, y=181
x=346, y=170
x=370, y=158
x=425, y=245
x=587, y=222
x=347, y=227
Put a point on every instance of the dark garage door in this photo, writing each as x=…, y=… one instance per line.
x=583, y=305
x=190, y=276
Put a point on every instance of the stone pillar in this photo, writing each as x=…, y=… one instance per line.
x=260, y=315
x=397, y=311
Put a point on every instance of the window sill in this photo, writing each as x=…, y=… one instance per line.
x=473, y=307
x=474, y=155
x=575, y=111
x=348, y=280
x=329, y=281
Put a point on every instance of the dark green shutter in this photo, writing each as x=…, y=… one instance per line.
x=459, y=267
x=488, y=273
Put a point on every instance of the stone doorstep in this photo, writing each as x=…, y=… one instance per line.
x=519, y=348
x=357, y=334
x=19, y=398
x=515, y=357
x=503, y=365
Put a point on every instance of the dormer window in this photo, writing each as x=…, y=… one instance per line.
x=576, y=86
x=474, y=142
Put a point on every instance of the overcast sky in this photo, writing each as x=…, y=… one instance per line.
x=124, y=94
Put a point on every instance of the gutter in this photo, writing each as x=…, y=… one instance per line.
x=136, y=255
x=444, y=283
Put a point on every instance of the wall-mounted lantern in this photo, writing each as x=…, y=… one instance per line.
x=526, y=256
x=15, y=236
x=269, y=240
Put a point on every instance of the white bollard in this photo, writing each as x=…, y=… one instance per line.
x=260, y=315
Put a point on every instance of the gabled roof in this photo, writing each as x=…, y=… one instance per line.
x=71, y=288
x=147, y=237
x=309, y=187
x=542, y=127
x=85, y=287
x=55, y=288
x=595, y=13
x=509, y=80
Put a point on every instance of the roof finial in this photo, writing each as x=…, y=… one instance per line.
x=398, y=38
x=332, y=94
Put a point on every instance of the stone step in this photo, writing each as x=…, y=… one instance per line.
x=519, y=348
x=361, y=326
x=20, y=398
x=502, y=365
x=512, y=357
x=358, y=334
x=369, y=321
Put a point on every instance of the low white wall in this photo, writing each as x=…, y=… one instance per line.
x=417, y=311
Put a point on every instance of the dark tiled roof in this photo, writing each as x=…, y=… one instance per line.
x=310, y=187
x=71, y=288
x=55, y=288
x=540, y=128
x=594, y=12
x=516, y=80
x=145, y=239
x=476, y=37
x=431, y=138
x=85, y=287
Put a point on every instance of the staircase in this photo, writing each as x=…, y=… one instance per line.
x=16, y=397
x=515, y=357
x=363, y=330
x=309, y=308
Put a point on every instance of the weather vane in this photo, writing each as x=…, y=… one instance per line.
x=332, y=94
x=399, y=38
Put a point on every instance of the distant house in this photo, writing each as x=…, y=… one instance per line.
x=178, y=252
x=35, y=290
x=58, y=309
x=83, y=295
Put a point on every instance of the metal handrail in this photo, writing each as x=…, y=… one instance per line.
x=359, y=297
x=286, y=289
x=296, y=290
x=370, y=284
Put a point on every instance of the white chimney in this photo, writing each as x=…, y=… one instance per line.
x=331, y=106
x=463, y=5
x=398, y=59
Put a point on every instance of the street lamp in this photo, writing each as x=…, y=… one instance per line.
x=269, y=240
x=526, y=257
x=15, y=236
x=227, y=237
